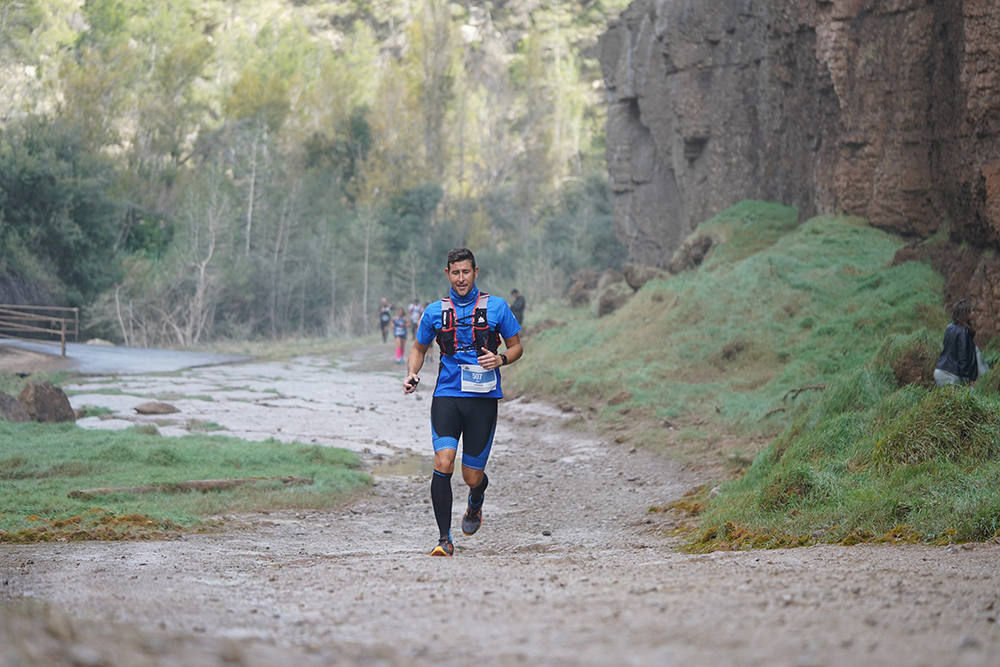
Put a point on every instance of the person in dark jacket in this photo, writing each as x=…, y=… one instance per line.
x=517, y=306
x=958, y=362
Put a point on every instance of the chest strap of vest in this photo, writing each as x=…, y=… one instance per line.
x=482, y=334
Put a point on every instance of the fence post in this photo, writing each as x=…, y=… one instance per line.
x=62, y=334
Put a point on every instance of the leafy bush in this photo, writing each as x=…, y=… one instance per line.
x=911, y=357
x=57, y=211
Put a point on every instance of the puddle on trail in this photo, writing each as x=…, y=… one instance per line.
x=307, y=399
x=354, y=403
x=411, y=465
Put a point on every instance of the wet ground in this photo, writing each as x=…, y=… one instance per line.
x=111, y=359
x=569, y=567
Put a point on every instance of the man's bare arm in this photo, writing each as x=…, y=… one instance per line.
x=513, y=352
x=413, y=365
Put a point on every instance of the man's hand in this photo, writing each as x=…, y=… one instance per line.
x=488, y=360
x=410, y=383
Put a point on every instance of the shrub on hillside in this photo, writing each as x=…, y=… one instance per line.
x=795, y=484
x=873, y=459
x=911, y=357
x=989, y=383
x=949, y=423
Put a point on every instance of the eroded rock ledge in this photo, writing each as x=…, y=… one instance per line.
x=888, y=110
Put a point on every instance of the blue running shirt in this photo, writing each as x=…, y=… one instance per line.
x=498, y=316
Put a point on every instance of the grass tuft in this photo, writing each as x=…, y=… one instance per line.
x=950, y=423
x=911, y=357
x=869, y=463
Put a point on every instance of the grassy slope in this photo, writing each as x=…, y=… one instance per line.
x=775, y=307
x=869, y=462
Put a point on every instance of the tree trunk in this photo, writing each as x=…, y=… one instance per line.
x=252, y=193
x=118, y=312
x=197, y=315
x=364, y=278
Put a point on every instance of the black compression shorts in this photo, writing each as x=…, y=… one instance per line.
x=474, y=419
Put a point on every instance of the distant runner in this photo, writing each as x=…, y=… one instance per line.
x=416, y=310
x=399, y=332
x=384, y=317
x=468, y=326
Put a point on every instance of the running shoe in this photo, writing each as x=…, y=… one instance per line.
x=443, y=548
x=472, y=520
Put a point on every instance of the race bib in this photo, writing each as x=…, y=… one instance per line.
x=478, y=380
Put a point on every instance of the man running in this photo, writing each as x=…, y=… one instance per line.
x=468, y=326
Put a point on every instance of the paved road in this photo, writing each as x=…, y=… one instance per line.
x=112, y=360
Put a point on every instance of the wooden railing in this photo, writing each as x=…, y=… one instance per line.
x=32, y=323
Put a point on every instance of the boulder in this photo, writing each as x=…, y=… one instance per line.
x=691, y=253
x=45, y=402
x=609, y=277
x=11, y=410
x=612, y=298
x=585, y=278
x=637, y=275
x=579, y=295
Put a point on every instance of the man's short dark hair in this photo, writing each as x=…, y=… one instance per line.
x=515, y=291
x=460, y=255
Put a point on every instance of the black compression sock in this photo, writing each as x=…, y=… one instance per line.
x=441, y=499
x=476, y=494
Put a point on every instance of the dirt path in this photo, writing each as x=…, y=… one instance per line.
x=569, y=568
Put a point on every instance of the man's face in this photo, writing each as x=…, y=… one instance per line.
x=462, y=276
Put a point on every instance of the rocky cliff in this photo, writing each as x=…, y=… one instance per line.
x=885, y=109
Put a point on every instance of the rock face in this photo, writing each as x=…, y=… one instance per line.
x=968, y=272
x=888, y=110
x=45, y=402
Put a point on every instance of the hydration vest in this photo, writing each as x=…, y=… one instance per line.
x=482, y=335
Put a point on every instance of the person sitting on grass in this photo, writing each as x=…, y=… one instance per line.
x=958, y=363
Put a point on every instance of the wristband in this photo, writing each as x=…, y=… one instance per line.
x=504, y=357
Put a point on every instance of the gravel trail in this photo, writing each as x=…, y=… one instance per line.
x=569, y=567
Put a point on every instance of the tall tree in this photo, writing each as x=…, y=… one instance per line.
x=432, y=51
x=55, y=205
